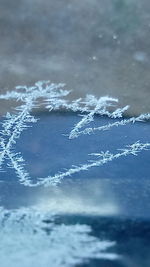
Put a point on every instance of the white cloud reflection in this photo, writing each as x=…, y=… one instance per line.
x=88, y=197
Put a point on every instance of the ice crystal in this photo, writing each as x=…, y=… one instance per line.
x=52, y=97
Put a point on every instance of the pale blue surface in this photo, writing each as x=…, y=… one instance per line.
x=46, y=151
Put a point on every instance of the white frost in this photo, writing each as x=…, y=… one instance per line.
x=27, y=241
x=52, y=97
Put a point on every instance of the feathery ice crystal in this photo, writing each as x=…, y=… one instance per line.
x=52, y=97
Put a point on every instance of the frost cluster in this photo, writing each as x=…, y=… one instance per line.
x=53, y=97
x=31, y=238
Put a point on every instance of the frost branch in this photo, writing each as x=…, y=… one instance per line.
x=105, y=157
x=123, y=122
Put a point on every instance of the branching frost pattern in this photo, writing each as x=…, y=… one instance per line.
x=52, y=97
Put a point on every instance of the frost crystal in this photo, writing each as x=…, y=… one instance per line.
x=52, y=97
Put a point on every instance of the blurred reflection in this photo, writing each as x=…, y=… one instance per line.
x=87, y=197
